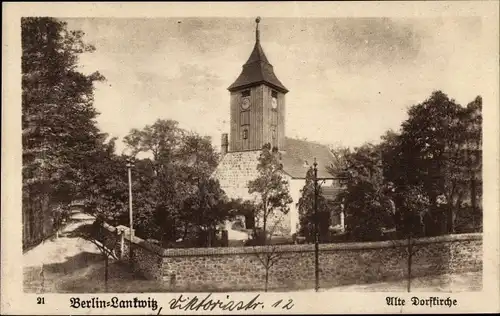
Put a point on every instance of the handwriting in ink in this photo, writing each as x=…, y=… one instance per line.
x=194, y=303
x=289, y=305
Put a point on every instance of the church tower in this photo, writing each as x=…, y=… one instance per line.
x=257, y=104
x=257, y=111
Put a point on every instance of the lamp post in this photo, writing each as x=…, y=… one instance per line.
x=130, y=165
x=316, y=219
x=316, y=224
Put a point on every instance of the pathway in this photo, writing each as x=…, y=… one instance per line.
x=70, y=264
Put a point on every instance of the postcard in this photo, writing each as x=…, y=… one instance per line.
x=250, y=158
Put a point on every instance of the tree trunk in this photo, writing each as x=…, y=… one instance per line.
x=473, y=200
x=264, y=230
x=106, y=259
x=267, y=278
x=209, y=236
x=264, y=221
x=450, y=221
x=410, y=254
x=131, y=254
x=185, y=232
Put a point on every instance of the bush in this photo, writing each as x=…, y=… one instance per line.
x=336, y=238
x=468, y=220
x=199, y=240
x=257, y=239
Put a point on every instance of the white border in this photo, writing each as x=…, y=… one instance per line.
x=13, y=300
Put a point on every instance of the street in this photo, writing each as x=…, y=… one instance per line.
x=463, y=282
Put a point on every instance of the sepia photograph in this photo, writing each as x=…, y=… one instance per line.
x=254, y=154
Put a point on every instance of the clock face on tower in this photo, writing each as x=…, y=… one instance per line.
x=245, y=103
x=274, y=103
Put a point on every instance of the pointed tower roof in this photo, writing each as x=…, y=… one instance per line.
x=257, y=69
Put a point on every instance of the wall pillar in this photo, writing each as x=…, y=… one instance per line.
x=122, y=245
x=342, y=218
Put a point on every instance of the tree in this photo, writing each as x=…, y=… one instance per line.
x=205, y=208
x=176, y=196
x=268, y=259
x=469, y=216
x=205, y=204
x=340, y=163
x=269, y=254
x=430, y=152
x=367, y=206
x=198, y=154
x=105, y=241
x=161, y=141
x=390, y=149
x=106, y=191
x=410, y=219
x=411, y=204
x=270, y=186
x=58, y=118
x=306, y=210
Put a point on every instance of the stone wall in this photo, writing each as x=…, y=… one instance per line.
x=234, y=172
x=147, y=257
x=340, y=264
x=213, y=269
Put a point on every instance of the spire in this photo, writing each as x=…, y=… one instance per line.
x=257, y=69
x=257, y=53
x=257, y=32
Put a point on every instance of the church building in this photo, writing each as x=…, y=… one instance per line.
x=257, y=116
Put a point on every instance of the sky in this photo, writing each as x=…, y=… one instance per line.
x=350, y=79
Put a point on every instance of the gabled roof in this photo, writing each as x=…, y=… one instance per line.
x=237, y=168
x=298, y=156
x=257, y=70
